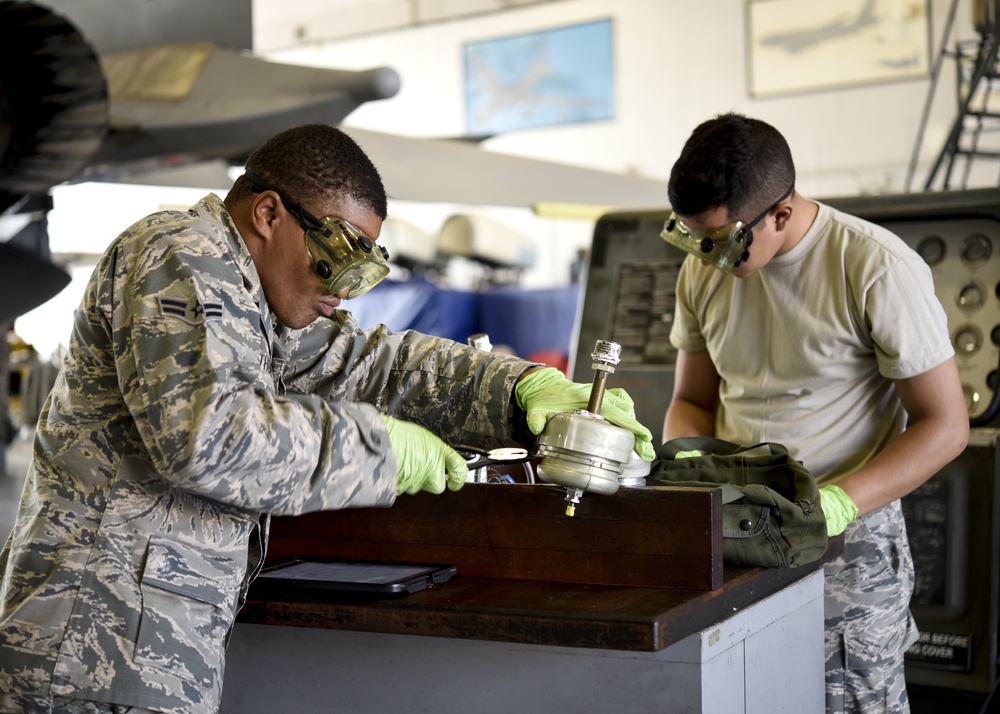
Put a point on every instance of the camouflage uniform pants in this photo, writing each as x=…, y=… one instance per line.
x=61, y=705
x=868, y=620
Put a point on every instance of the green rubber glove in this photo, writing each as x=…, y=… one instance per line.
x=838, y=508
x=423, y=461
x=546, y=392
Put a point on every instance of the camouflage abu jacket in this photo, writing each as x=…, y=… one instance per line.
x=181, y=416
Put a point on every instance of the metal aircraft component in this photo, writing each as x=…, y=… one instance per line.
x=160, y=96
x=53, y=101
x=581, y=450
x=53, y=116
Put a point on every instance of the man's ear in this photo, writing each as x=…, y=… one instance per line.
x=782, y=215
x=264, y=213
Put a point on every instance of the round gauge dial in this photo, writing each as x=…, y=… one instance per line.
x=931, y=249
x=971, y=296
x=967, y=340
x=976, y=248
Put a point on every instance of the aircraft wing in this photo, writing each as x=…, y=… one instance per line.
x=75, y=110
x=450, y=171
x=178, y=104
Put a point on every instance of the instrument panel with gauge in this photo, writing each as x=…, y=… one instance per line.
x=958, y=236
x=964, y=258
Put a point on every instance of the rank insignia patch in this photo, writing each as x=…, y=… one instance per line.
x=193, y=311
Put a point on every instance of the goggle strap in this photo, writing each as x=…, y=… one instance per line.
x=770, y=208
x=308, y=221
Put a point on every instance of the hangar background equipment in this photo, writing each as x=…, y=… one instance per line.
x=165, y=85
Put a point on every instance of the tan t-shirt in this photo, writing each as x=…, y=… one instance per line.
x=807, y=346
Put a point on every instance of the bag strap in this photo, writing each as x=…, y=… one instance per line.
x=712, y=445
x=730, y=492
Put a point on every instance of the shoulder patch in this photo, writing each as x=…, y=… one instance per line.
x=193, y=311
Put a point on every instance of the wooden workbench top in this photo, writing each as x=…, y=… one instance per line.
x=531, y=612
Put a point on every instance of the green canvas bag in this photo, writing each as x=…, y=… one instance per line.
x=771, y=513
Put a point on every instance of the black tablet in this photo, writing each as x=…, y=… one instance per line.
x=351, y=575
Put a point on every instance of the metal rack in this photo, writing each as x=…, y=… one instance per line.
x=976, y=71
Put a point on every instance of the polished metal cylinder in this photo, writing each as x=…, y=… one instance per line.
x=584, y=451
x=581, y=450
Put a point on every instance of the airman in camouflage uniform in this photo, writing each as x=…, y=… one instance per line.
x=185, y=413
x=827, y=337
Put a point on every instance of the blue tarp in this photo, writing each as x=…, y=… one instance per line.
x=526, y=321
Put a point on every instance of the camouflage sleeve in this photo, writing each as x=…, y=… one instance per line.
x=460, y=393
x=194, y=363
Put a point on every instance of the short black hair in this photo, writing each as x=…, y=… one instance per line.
x=734, y=161
x=313, y=163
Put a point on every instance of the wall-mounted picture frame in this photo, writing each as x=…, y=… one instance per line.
x=797, y=46
x=563, y=75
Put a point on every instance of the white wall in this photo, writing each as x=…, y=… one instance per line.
x=677, y=63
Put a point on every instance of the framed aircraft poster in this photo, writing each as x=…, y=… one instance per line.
x=805, y=46
x=558, y=76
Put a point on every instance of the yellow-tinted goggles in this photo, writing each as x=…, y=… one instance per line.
x=343, y=257
x=725, y=247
